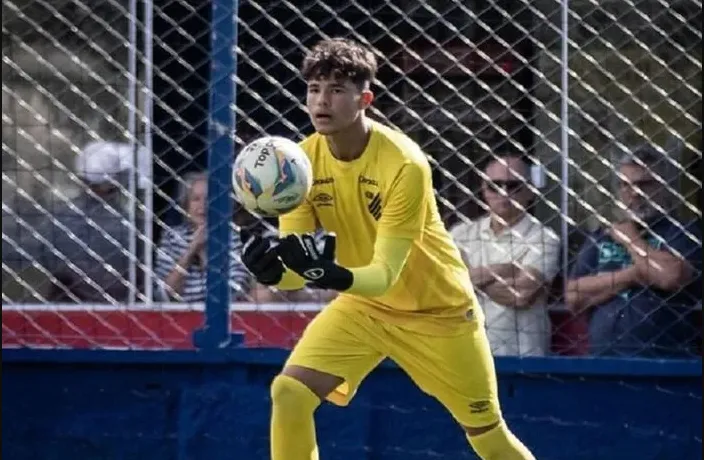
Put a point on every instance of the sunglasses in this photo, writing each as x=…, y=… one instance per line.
x=641, y=184
x=509, y=186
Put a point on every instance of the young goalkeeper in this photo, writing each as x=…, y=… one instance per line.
x=404, y=290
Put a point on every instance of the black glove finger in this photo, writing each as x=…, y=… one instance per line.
x=329, y=244
x=267, y=260
x=254, y=249
x=245, y=235
x=308, y=242
x=292, y=251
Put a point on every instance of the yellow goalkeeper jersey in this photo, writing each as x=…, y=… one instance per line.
x=388, y=192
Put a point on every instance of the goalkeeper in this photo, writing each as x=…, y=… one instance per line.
x=404, y=290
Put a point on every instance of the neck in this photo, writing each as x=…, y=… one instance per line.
x=349, y=144
x=500, y=223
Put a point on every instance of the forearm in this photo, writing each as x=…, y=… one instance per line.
x=594, y=290
x=375, y=279
x=488, y=274
x=501, y=294
x=517, y=292
x=176, y=278
x=657, y=267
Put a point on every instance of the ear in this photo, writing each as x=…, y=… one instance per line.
x=366, y=99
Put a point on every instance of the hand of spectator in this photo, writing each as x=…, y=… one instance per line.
x=624, y=233
x=261, y=259
x=646, y=272
x=199, y=239
x=197, y=246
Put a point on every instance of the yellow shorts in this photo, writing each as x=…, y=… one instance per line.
x=457, y=370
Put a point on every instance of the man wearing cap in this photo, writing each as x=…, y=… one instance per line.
x=87, y=240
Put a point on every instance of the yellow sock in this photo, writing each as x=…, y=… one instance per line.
x=292, y=426
x=499, y=444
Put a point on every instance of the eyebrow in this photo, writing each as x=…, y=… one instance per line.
x=336, y=83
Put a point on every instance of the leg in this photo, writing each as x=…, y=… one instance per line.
x=336, y=352
x=459, y=371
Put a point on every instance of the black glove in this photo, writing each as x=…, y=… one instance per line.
x=261, y=259
x=300, y=254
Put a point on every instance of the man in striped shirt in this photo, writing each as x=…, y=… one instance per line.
x=181, y=258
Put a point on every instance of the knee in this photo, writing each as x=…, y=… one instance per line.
x=289, y=394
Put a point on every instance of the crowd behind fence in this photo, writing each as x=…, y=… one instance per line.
x=579, y=126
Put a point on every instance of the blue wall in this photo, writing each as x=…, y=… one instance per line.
x=60, y=405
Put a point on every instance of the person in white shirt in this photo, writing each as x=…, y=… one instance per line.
x=512, y=259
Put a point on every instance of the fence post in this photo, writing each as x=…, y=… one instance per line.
x=215, y=333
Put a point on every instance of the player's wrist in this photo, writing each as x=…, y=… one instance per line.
x=337, y=278
x=325, y=275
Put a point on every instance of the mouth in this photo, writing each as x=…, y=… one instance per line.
x=322, y=118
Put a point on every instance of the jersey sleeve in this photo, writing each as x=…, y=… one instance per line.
x=300, y=220
x=407, y=203
x=390, y=255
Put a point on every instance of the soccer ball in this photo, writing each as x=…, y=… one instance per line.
x=272, y=176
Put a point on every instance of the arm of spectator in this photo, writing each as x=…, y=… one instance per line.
x=521, y=283
x=589, y=291
x=172, y=267
x=667, y=269
x=489, y=274
x=588, y=288
x=520, y=290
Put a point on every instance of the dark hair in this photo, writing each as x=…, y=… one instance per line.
x=505, y=156
x=340, y=58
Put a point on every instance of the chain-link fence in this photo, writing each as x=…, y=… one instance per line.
x=572, y=90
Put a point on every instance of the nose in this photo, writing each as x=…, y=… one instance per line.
x=322, y=99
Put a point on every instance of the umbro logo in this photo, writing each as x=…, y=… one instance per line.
x=374, y=206
x=322, y=199
x=478, y=407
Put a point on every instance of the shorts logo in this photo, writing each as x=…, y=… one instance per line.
x=478, y=407
x=374, y=206
x=314, y=273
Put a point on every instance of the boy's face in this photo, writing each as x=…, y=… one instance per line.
x=197, y=202
x=334, y=104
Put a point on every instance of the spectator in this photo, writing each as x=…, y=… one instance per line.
x=511, y=258
x=639, y=279
x=181, y=258
x=86, y=245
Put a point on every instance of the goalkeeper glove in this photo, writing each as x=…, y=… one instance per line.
x=261, y=259
x=300, y=254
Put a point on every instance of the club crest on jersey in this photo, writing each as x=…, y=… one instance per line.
x=374, y=205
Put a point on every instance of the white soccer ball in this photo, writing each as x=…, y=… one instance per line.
x=272, y=176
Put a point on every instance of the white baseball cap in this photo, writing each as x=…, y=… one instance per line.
x=101, y=161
